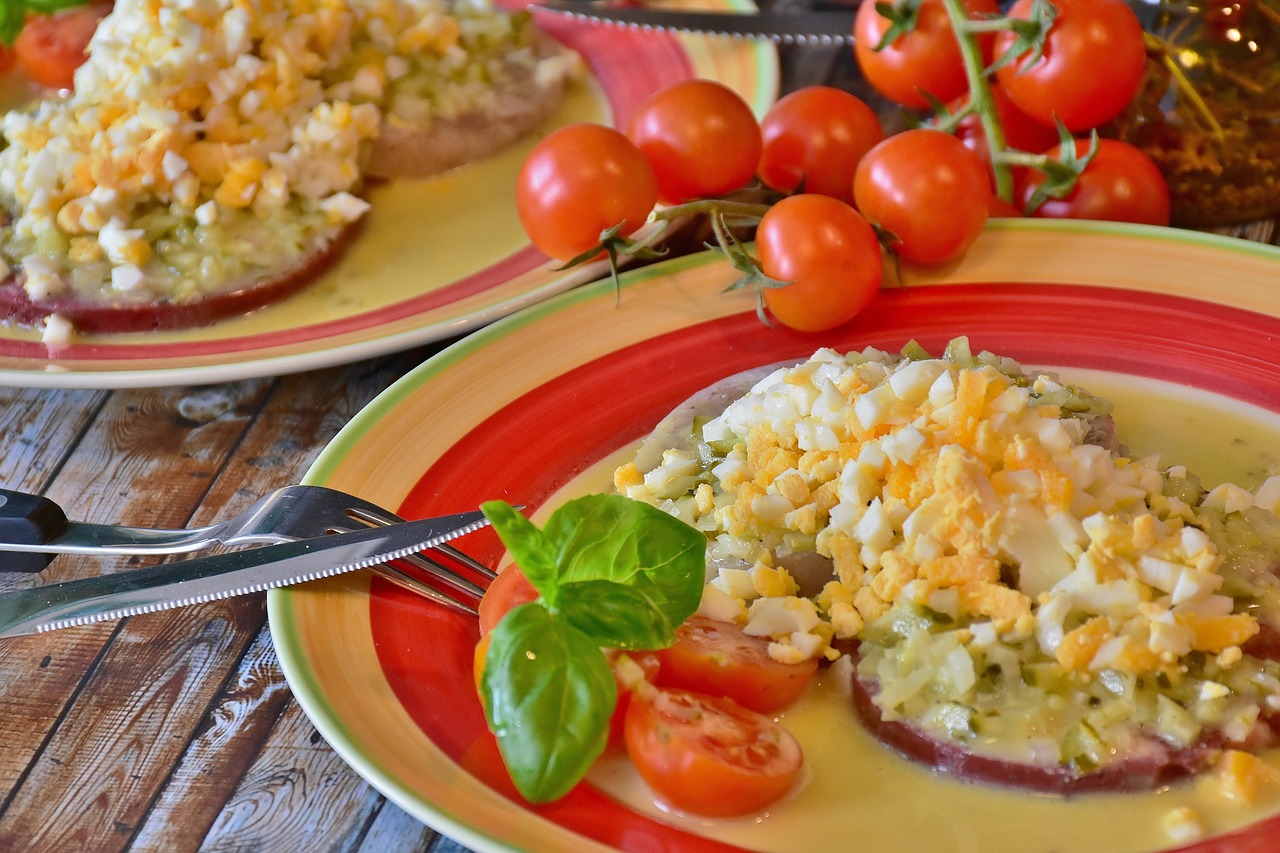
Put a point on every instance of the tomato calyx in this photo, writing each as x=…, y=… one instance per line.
x=614, y=243
x=1030, y=35
x=1061, y=173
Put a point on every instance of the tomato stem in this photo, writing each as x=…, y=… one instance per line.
x=980, y=100
x=712, y=206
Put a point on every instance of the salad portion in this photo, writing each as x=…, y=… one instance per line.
x=1009, y=596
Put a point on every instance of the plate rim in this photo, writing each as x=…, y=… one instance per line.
x=283, y=626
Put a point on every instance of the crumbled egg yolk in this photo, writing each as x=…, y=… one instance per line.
x=207, y=139
x=971, y=528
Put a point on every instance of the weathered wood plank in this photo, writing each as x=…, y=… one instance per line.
x=393, y=829
x=297, y=421
x=37, y=430
x=137, y=460
x=298, y=795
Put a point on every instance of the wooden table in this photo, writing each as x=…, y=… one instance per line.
x=176, y=731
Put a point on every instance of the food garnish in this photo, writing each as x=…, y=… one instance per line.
x=609, y=572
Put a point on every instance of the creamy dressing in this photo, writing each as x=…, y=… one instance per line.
x=859, y=792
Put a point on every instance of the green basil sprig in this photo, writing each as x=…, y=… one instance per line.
x=610, y=572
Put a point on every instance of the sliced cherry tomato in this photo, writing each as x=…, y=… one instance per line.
x=508, y=591
x=477, y=661
x=828, y=253
x=920, y=63
x=718, y=659
x=579, y=181
x=642, y=665
x=814, y=138
x=928, y=190
x=1021, y=132
x=707, y=755
x=51, y=47
x=700, y=137
x=1120, y=184
x=1093, y=62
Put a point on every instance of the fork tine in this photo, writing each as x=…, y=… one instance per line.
x=442, y=573
x=466, y=559
x=407, y=581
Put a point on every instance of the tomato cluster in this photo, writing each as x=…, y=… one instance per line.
x=694, y=718
x=1016, y=89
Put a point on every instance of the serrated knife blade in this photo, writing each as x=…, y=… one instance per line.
x=798, y=27
x=95, y=599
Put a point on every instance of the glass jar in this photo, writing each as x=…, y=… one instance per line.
x=1209, y=109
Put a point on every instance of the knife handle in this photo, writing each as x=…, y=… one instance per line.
x=27, y=519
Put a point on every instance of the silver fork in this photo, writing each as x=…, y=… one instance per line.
x=285, y=515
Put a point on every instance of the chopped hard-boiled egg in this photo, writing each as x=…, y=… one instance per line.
x=988, y=545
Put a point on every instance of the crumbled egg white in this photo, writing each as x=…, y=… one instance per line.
x=209, y=139
x=976, y=540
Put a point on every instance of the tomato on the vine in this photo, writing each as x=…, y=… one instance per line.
x=708, y=755
x=51, y=47
x=814, y=138
x=718, y=658
x=579, y=181
x=1021, y=131
x=1093, y=62
x=700, y=137
x=923, y=62
x=829, y=254
x=1120, y=184
x=928, y=190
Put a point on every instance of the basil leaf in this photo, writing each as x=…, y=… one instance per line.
x=528, y=545
x=49, y=6
x=612, y=538
x=13, y=15
x=549, y=694
x=620, y=617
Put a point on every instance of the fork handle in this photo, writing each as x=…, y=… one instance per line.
x=27, y=519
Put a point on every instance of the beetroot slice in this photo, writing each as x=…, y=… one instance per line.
x=1158, y=765
x=94, y=317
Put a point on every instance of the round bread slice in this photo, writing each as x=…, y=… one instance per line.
x=115, y=317
x=522, y=103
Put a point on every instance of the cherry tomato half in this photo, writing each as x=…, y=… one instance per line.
x=51, y=47
x=708, y=755
x=643, y=664
x=924, y=61
x=700, y=137
x=1120, y=184
x=814, y=138
x=928, y=190
x=828, y=252
x=718, y=659
x=579, y=181
x=508, y=591
x=1093, y=61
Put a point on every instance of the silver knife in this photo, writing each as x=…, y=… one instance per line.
x=798, y=27
x=79, y=602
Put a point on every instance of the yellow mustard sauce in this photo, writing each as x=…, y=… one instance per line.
x=858, y=794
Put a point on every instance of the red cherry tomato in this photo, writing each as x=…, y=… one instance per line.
x=928, y=190
x=648, y=667
x=51, y=47
x=7, y=59
x=717, y=658
x=579, y=181
x=708, y=755
x=925, y=60
x=828, y=252
x=1120, y=184
x=700, y=137
x=1021, y=132
x=508, y=591
x=814, y=138
x=1093, y=61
